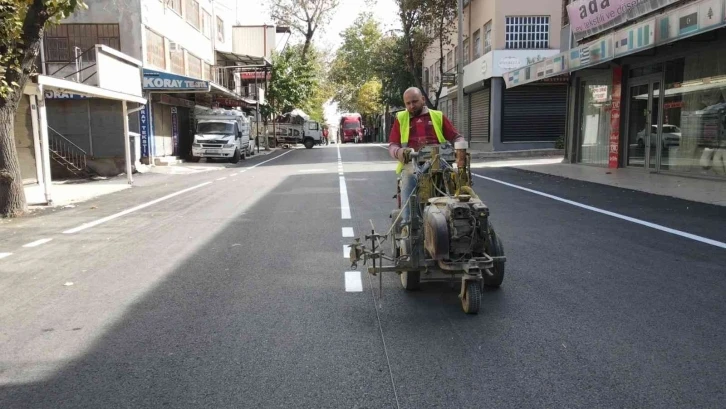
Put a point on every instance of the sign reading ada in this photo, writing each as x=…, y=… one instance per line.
x=164, y=81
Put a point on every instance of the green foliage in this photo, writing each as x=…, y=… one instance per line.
x=395, y=76
x=14, y=44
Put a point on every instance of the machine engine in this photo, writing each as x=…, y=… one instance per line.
x=455, y=227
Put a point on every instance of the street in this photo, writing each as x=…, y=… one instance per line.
x=228, y=289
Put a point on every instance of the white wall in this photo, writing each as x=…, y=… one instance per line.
x=224, y=9
x=250, y=40
x=166, y=22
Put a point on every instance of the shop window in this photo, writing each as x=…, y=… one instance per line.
x=527, y=32
x=155, y=50
x=596, y=96
x=693, y=135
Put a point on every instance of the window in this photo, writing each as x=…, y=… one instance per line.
x=176, y=58
x=192, y=13
x=313, y=126
x=175, y=5
x=60, y=41
x=466, y=52
x=207, y=73
x=487, y=37
x=155, y=50
x=206, y=24
x=477, y=44
x=194, y=65
x=531, y=32
x=437, y=73
x=220, y=29
x=449, y=60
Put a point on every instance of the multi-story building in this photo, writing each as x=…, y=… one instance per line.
x=647, y=87
x=185, y=47
x=500, y=35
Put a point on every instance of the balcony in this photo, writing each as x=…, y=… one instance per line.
x=100, y=66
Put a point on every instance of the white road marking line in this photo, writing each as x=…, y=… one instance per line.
x=341, y=173
x=348, y=232
x=222, y=178
x=346, y=251
x=353, y=282
x=613, y=214
x=311, y=170
x=37, y=243
x=153, y=202
x=344, y=204
x=3, y=255
x=133, y=209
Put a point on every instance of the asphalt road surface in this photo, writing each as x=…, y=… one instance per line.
x=230, y=289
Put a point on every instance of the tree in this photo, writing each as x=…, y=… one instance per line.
x=369, y=98
x=292, y=81
x=424, y=22
x=391, y=57
x=21, y=28
x=303, y=16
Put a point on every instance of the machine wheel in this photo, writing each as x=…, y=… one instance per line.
x=309, y=143
x=235, y=158
x=494, y=248
x=410, y=280
x=472, y=298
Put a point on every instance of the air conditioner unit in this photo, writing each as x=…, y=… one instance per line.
x=173, y=47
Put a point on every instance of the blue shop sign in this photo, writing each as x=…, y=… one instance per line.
x=164, y=81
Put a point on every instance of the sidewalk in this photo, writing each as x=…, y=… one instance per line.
x=696, y=190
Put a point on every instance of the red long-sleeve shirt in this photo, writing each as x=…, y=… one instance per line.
x=421, y=132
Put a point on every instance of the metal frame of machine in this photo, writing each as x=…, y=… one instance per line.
x=449, y=234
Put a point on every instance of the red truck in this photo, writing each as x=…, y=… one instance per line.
x=351, y=128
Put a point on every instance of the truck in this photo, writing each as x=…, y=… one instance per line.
x=351, y=128
x=221, y=134
x=296, y=127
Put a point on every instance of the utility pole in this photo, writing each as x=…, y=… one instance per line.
x=460, y=70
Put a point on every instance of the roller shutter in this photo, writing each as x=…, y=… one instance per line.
x=479, y=115
x=534, y=113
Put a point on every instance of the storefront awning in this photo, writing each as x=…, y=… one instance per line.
x=219, y=90
x=243, y=60
x=72, y=87
x=677, y=24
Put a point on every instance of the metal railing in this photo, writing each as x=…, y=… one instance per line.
x=66, y=152
x=78, y=62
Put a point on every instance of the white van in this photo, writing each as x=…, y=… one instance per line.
x=222, y=134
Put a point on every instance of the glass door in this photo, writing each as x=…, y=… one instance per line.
x=643, y=125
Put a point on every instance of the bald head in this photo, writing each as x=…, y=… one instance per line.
x=413, y=99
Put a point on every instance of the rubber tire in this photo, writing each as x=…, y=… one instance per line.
x=494, y=248
x=309, y=143
x=195, y=159
x=471, y=302
x=235, y=158
x=411, y=280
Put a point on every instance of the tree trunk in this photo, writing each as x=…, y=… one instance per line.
x=412, y=68
x=12, y=194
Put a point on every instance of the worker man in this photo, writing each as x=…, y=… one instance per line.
x=413, y=129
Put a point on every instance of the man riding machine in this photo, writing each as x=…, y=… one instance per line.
x=440, y=230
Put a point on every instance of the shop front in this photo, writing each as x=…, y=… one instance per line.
x=651, y=95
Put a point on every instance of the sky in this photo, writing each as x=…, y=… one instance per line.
x=251, y=12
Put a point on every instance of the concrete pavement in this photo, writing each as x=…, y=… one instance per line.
x=232, y=293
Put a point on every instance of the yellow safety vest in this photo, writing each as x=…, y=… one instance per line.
x=404, y=120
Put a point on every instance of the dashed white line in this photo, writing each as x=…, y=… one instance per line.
x=344, y=204
x=353, y=282
x=348, y=232
x=311, y=170
x=221, y=178
x=346, y=251
x=612, y=214
x=3, y=255
x=37, y=243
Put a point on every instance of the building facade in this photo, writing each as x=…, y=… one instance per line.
x=647, y=88
x=185, y=47
x=500, y=35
